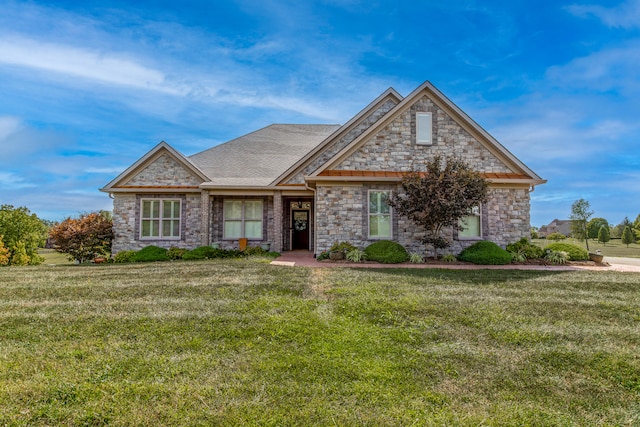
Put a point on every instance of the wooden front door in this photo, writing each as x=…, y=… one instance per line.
x=300, y=228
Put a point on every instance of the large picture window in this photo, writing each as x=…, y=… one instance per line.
x=243, y=218
x=379, y=215
x=160, y=219
x=471, y=224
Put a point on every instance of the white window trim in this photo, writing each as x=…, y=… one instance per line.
x=160, y=218
x=369, y=236
x=424, y=128
x=479, y=215
x=242, y=220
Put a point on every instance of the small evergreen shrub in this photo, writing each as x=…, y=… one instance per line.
x=175, y=253
x=576, y=253
x=254, y=250
x=149, y=254
x=524, y=248
x=386, y=252
x=322, y=256
x=123, y=256
x=556, y=236
x=485, y=253
x=207, y=252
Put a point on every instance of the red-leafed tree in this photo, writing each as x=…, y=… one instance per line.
x=438, y=197
x=84, y=238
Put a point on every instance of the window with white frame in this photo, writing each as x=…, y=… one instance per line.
x=471, y=225
x=379, y=214
x=242, y=218
x=160, y=218
x=423, y=128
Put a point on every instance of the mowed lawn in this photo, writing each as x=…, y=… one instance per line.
x=246, y=343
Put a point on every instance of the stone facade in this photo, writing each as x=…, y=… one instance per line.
x=343, y=217
x=164, y=170
x=394, y=148
x=126, y=222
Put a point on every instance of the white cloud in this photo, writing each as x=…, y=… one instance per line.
x=626, y=15
x=9, y=180
x=107, y=68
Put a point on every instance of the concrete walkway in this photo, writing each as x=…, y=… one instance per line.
x=305, y=259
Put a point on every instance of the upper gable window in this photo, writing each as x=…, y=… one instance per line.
x=423, y=128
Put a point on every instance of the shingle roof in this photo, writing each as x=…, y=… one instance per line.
x=258, y=158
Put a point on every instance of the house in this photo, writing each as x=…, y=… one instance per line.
x=562, y=226
x=309, y=186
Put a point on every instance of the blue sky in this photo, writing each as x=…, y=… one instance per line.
x=87, y=88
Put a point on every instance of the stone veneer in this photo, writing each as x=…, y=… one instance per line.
x=164, y=170
x=126, y=223
x=342, y=216
x=394, y=147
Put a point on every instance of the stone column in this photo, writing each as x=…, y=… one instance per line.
x=277, y=221
x=205, y=218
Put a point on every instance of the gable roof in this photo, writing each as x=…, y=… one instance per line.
x=389, y=94
x=153, y=154
x=258, y=158
x=450, y=108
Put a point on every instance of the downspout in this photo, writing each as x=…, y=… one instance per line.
x=315, y=218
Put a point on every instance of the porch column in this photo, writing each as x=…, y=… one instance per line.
x=277, y=221
x=205, y=215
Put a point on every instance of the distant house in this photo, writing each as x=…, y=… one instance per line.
x=309, y=186
x=562, y=226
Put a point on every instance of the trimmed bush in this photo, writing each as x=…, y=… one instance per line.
x=149, y=254
x=207, y=252
x=123, y=256
x=525, y=248
x=386, y=252
x=343, y=247
x=556, y=236
x=485, y=253
x=175, y=253
x=576, y=253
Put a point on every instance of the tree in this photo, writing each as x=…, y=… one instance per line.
x=20, y=256
x=534, y=232
x=20, y=225
x=84, y=238
x=439, y=197
x=593, y=227
x=5, y=256
x=580, y=215
x=627, y=236
x=603, y=234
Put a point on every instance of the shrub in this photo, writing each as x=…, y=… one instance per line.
x=386, y=252
x=485, y=253
x=4, y=253
x=556, y=236
x=556, y=257
x=254, y=250
x=524, y=248
x=576, y=253
x=322, y=256
x=416, y=258
x=20, y=256
x=149, y=254
x=175, y=253
x=449, y=258
x=207, y=252
x=356, y=255
x=342, y=247
x=123, y=256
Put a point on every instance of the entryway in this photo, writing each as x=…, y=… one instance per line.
x=300, y=229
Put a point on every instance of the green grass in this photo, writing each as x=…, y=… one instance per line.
x=613, y=248
x=52, y=257
x=245, y=343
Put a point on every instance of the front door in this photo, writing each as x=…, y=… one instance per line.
x=300, y=229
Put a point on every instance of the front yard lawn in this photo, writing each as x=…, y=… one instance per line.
x=238, y=342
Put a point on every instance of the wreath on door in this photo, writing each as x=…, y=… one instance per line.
x=300, y=225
